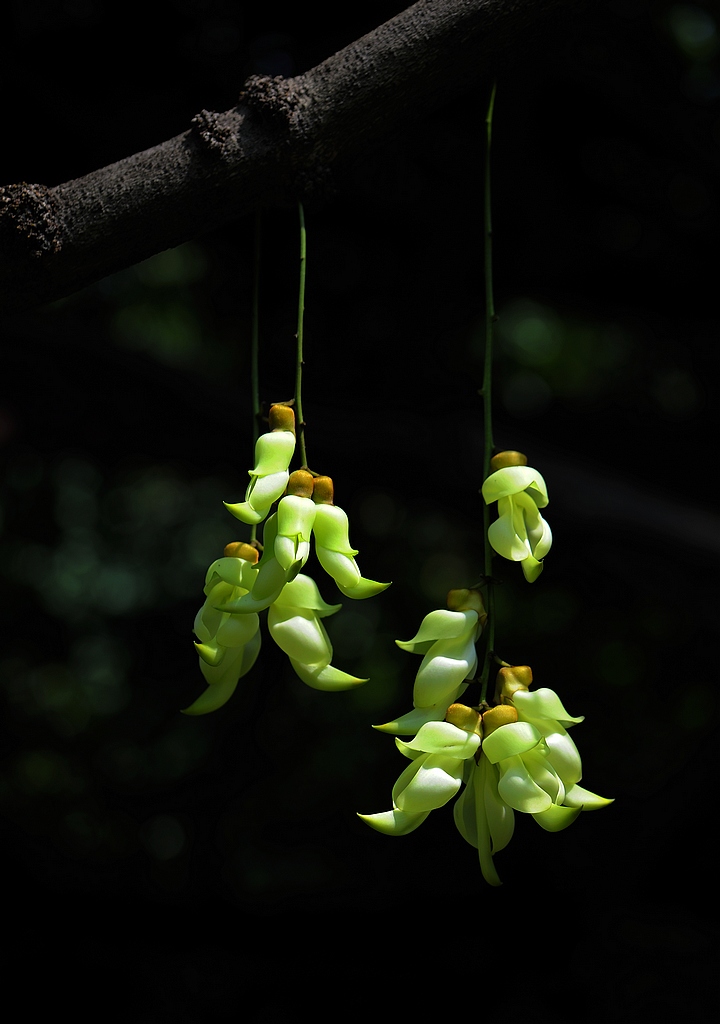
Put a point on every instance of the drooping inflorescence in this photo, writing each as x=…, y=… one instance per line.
x=238, y=586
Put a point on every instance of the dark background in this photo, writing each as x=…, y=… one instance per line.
x=192, y=863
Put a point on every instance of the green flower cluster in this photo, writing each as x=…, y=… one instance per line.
x=238, y=586
x=516, y=756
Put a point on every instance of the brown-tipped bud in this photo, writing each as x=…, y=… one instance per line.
x=510, y=679
x=300, y=483
x=281, y=417
x=496, y=717
x=323, y=490
x=462, y=600
x=239, y=549
x=465, y=718
x=504, y=459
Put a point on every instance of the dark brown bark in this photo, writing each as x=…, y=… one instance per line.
x=286, y=140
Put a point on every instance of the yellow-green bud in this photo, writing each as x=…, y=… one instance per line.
x=239, y=549
x=323, y=491
x=493, y=719
x=300, y=484
x=465, y=718
x=281, y=417
x=504, y=459
x=511, y=679
x=461, y=600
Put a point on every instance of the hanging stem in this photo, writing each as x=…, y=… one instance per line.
x=490, y=319
x=255, y=346
x=299, y=364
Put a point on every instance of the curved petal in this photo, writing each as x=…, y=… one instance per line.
x=303, y=593
x=244, y=511
x=513, y=480
x=445, y=738
x=331, y=529
x=295, y=516
x=264, y=490
x=503, y=534
x=273, y=452
x=464, y=811
x=531, y=568
x=500, y=816
x=395, y=822
x=439, y=674
x=326, y=678
x=212, y=653
x=436, y=781
x=510, y=740
x=555, y=818
x=408, y=724
x=576, y=796
x=213, y=697
x=542, y=703
x=343, y=568
x=561, y=752
x=442, y=624
x=300, y=635
x=362, y=589
x=484, y=777
x=517, y=788
x=237, y=630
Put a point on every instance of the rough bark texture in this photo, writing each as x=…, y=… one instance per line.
x=285, y=140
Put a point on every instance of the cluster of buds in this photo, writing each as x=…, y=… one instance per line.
x=238, y=586
x=519, y=533
x=516, y=756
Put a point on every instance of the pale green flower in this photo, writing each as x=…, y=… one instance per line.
x=295, y=518
x=332, y=545
x=228, y=643
x=528, y=763
x=267, y=583
x=269, y=477
x=295, y=626
x=519, y=533
x=516, y=756
x=446, y=639
x=438, y=754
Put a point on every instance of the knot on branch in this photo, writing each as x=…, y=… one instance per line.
x=29, y=224
x=214, y=134
x=278, y=100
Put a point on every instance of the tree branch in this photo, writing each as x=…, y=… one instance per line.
x=286, y=139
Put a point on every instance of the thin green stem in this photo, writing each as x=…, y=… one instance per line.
x=487, y=396
x=255, y=344
x=300, y=425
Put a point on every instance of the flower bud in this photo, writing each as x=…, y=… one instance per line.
x=504, y=459
x=239, y=549
x=495, y=718
x=281, y=417
x=465, y=718
x=462, y=600
x=511, y=679
x=300, y=484
x=323, y=491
